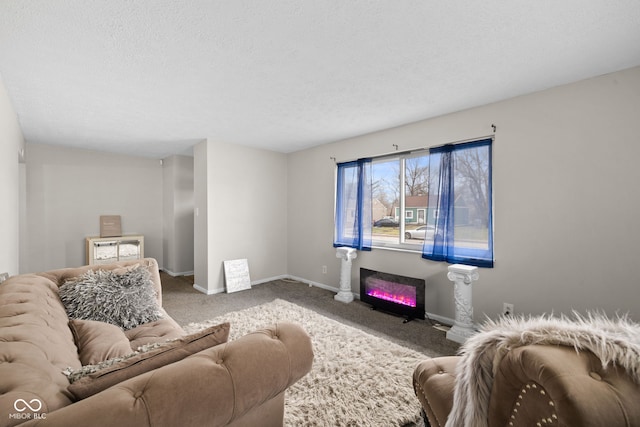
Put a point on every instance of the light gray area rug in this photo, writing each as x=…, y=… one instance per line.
x=357, y=379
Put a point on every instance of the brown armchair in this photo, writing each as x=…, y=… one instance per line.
x=537, y=372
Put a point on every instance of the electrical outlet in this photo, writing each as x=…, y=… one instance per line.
x=324, y=269
x=507, y=309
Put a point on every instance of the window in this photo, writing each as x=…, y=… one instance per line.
x=436, y=202
x=400, y=192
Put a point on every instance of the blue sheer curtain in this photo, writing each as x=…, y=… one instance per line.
x=353, y=225
x=450, y=185
x=443, y=237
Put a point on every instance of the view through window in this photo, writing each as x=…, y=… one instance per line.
x=400, y=191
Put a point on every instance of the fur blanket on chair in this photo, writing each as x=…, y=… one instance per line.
x=614, y=341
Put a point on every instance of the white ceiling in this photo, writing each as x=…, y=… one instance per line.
x=153, y=77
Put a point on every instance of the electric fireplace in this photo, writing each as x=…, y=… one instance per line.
x=395, y=294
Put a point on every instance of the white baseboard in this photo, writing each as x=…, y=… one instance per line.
x=440, y=319
x=207, y=291
x=320, y=285
x=221, y=290
x=312, y=283
x=269, y=279
x=174, y=274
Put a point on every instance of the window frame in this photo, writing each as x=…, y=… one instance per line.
x=401, y=157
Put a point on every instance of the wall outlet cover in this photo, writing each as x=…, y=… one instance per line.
x=507, y=309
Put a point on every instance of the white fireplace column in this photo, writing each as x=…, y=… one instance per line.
x=463, y=277
x=346, y=255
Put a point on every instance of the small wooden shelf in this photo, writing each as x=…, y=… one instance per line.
x=105, y=250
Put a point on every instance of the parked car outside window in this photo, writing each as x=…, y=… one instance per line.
x=386, y=222
x=420, y=232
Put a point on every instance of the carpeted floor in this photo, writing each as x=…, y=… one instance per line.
x=186, y=305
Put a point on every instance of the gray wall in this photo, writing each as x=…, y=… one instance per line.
x=178, y=202
x=67, y=190
x=565, y=196
x=242, y=210
x=11, y=143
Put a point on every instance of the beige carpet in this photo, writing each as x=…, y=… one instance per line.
x=357, y=379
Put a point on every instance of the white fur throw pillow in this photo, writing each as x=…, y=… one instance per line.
x=123, y=298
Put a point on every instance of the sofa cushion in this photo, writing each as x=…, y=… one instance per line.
x=98, y=341
x=123, y=297
x=161, y=330
x=94, y=382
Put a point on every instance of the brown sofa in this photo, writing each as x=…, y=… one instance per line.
x=537, y=374
x=238, y=383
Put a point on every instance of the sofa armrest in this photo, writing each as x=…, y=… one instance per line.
x=433, y=382
x=542, y=384
x=213, y=387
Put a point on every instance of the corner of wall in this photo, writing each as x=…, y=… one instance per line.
x=11, y=154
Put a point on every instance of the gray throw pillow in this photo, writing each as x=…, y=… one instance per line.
x=125, y=298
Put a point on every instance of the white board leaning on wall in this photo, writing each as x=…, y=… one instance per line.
x=236, y=274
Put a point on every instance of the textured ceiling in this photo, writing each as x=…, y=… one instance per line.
x=153, y=77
